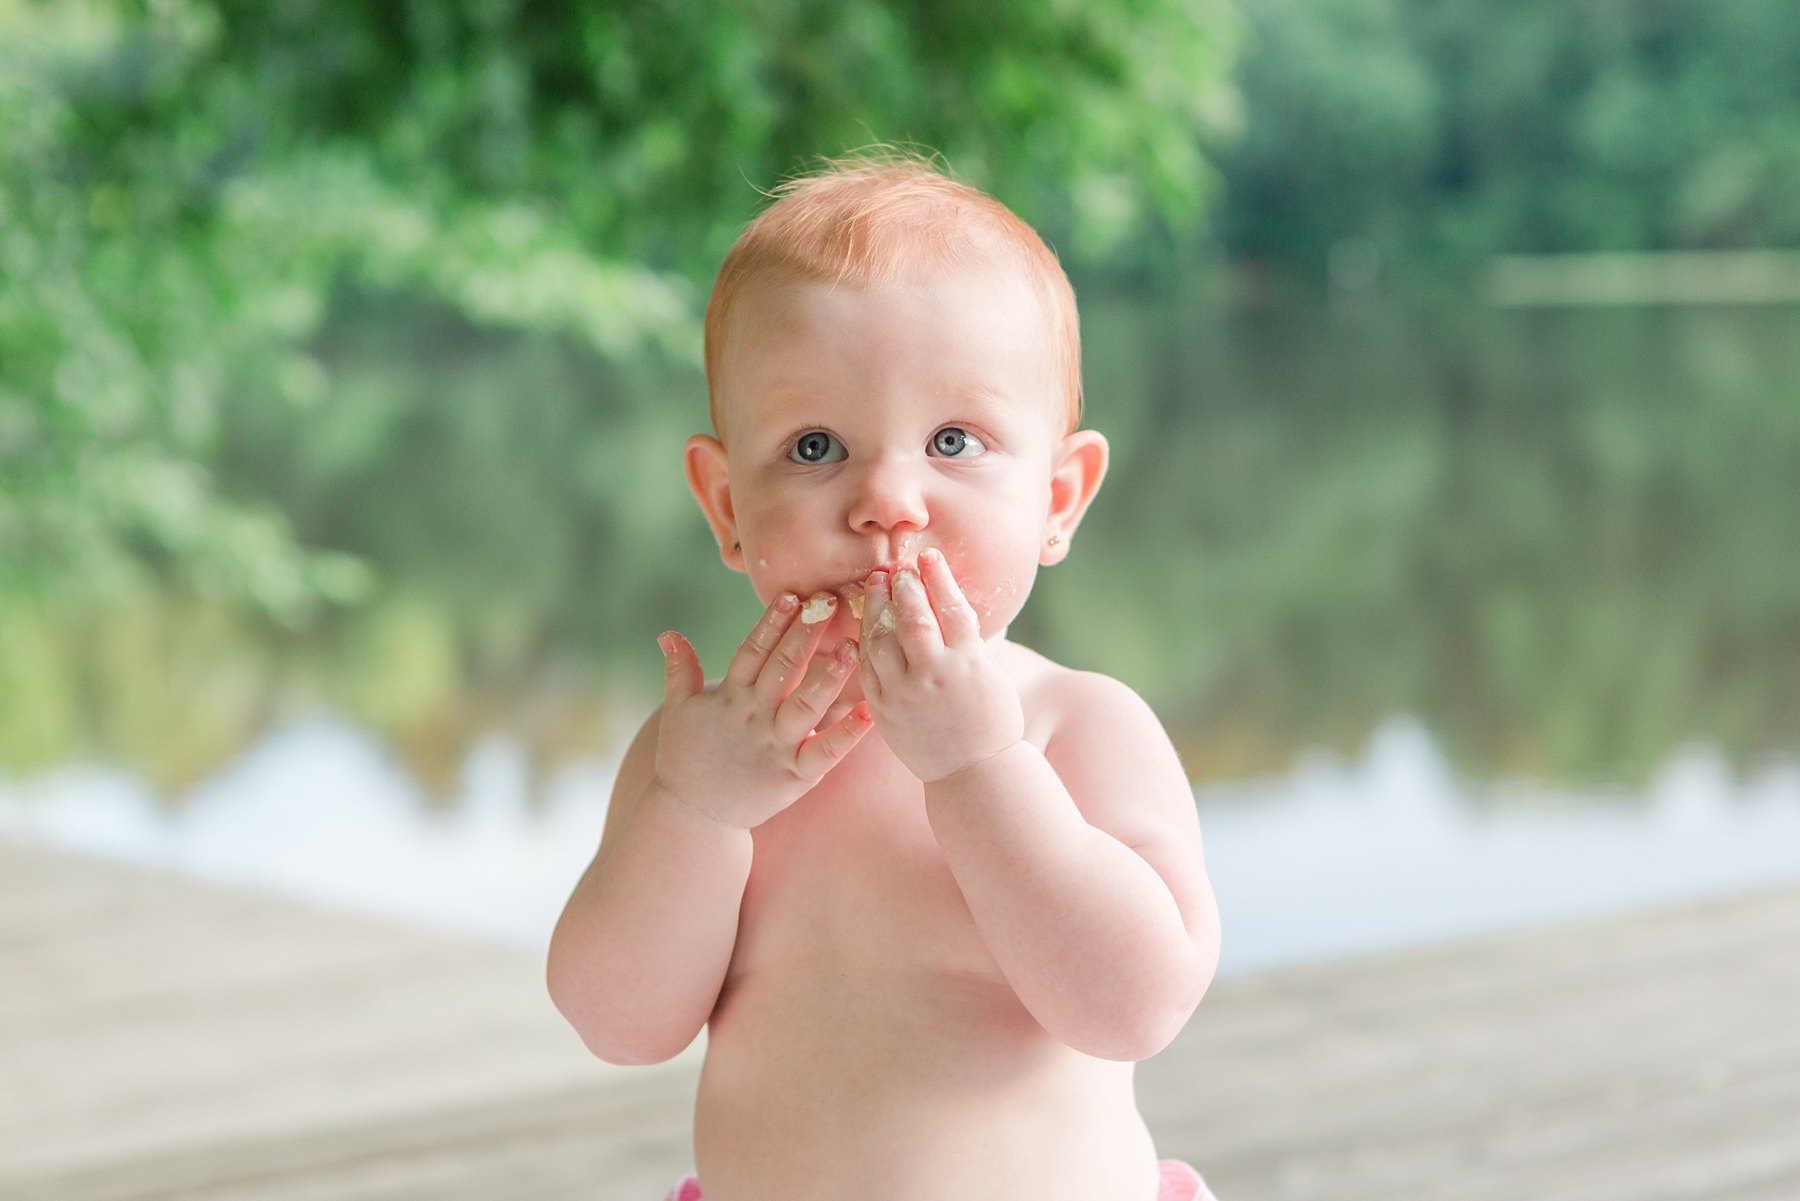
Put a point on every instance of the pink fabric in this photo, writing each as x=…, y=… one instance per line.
x=1179, y=1183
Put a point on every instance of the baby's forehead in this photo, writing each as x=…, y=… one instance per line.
x=975, y=285
x=936, y=306
x=978, y=342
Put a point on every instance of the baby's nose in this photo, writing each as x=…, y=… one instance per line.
x=890, y=496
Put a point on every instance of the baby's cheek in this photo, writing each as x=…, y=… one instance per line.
x=770, y=561
x=995, y=604
x=994, y=589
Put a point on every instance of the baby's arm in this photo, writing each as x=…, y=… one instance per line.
x=1097, y=909
x=643, y=945
x=1081, y=865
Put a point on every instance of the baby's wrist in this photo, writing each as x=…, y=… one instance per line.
x=682, y=808
x=981, y=765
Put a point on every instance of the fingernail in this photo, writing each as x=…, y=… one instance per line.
x=785, y=602
x=666, y=643
x=846, y=654
x=931, y=555
x=907, y=580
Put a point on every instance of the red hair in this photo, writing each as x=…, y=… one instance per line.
x=873, y=218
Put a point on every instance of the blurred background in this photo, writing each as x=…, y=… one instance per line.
x=1449, y=351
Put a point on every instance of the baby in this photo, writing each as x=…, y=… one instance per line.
x=931, y=894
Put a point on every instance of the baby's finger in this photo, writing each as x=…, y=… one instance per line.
x=919, y=633
x=955, y=614
x=834, y=712
x=747, y=663
x=804, y=710
x=682, y=676
x=782, y=671
x=877, y=616
x=820, y=753
x=880, y=648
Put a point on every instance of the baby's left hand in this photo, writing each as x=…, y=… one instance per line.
x=939, y=699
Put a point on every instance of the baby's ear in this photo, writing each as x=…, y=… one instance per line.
x=710, y=482
x=1076, y=468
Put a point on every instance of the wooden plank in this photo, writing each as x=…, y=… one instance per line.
x=163, y=1040
x=146, y=1017
x=626, y=1139
x=1650, y=1057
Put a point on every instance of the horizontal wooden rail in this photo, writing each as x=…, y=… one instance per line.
x=1671, y=277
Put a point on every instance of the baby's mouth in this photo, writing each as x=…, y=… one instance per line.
x=906, y=558
x=849, y=595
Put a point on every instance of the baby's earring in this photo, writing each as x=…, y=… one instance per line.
x=1055, y=538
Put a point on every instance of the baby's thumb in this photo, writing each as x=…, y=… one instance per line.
x=681, y=666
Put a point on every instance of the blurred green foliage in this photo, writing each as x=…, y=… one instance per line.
x=317, y=301
x=185, y=185
x=201, y=200
x=1443, y=131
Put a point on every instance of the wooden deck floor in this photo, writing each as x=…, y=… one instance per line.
x=159, y=1039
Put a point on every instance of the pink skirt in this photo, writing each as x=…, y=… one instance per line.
x=1179, y=1183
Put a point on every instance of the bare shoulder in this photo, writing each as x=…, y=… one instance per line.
x=1106, y=744
x=1122, y=772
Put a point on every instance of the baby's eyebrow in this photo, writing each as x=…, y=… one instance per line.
x=994, y=407
x=986, y=398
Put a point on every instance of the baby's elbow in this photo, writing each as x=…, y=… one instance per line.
x=626, y=1044
x=1159, y=1030
x=1138, y=1039
x=609, y=1035
x=1147, y=1025
x=1124, y=1035
x=629, y=1052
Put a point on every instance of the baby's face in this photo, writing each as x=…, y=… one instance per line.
x=863, y=425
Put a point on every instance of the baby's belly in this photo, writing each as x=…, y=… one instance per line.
x=885, y=1086
x=866, y=1043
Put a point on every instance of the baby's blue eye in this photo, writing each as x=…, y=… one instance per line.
x=817, y=446
x=952, y=442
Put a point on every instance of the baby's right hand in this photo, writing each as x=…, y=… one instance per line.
x=742, y=752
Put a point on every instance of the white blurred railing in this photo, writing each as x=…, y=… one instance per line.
x=1668, y=277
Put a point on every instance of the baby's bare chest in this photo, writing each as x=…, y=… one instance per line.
x=851, y=879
